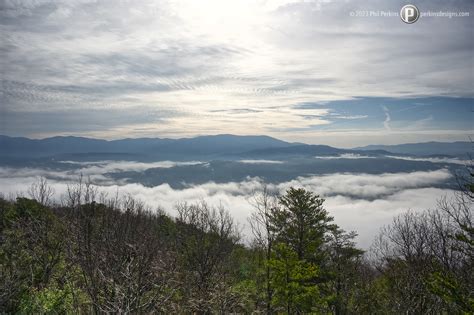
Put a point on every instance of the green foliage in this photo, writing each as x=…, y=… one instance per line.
x=93, y=258
x=246, y=293
x=292, y=279
x=451, y=291
x=297, y=266
x=301, y=222
x=344, y=260
x=31, y=248
x=370, y=295
x=50, y=300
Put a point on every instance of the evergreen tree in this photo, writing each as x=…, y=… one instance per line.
x=301, y=225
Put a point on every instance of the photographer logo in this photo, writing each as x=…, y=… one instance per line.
x=409, y=14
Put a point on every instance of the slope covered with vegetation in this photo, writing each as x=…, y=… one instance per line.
x=93, y=254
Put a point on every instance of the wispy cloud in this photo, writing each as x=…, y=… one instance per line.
x=432, y=159
x=351, y=156
x=260, y=162
x=101, y=167
x=189, y=67
x=387, y=120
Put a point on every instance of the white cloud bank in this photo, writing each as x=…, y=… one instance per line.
x=353, y=156
x=260, y=162
x=95, y=170
x=98, y=167
x=353, y=199
x=432, y=159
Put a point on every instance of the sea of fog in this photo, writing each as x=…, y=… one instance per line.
x=358, y=201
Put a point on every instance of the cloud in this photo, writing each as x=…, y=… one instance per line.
x=432, y=159
x=345, y=156
x=360, y=202
x=101, y=167
x=418, y=119
x=368, y=186
x=368, y=216
x=260, y=162
x=406, y=158
x=194, y=65
x=387, y=120
x=97, y=171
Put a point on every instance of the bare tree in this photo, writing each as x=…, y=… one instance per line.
x=126, y=266
x=344, y=260
x=264, y=204
x=457, y=284
x=206, y=239
x=41, y=191
x=415, y=248
x=80, y=192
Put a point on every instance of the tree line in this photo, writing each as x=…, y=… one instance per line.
x=94, y=254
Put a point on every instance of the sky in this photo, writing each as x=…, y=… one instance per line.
x=307, y=71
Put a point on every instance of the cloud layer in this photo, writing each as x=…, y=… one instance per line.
x=360, y=202
x=179, y=68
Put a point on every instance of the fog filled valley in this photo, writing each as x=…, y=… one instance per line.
x=364, y=188
x=234, y=224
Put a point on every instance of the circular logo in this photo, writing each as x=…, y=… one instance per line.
x=409, y=14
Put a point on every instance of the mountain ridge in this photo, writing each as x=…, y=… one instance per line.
x=202, y=145
x=208, y=146
x=456, y=148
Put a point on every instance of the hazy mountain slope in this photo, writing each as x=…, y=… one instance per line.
x=154, y=147
x=204, y=147
x=459, y=148
x=306, y=151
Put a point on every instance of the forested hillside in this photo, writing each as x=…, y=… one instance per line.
x=96, y=254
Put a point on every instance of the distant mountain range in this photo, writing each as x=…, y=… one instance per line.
x=209, y=147
x=459, y=148
x=185, y=148
x=221, y=159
